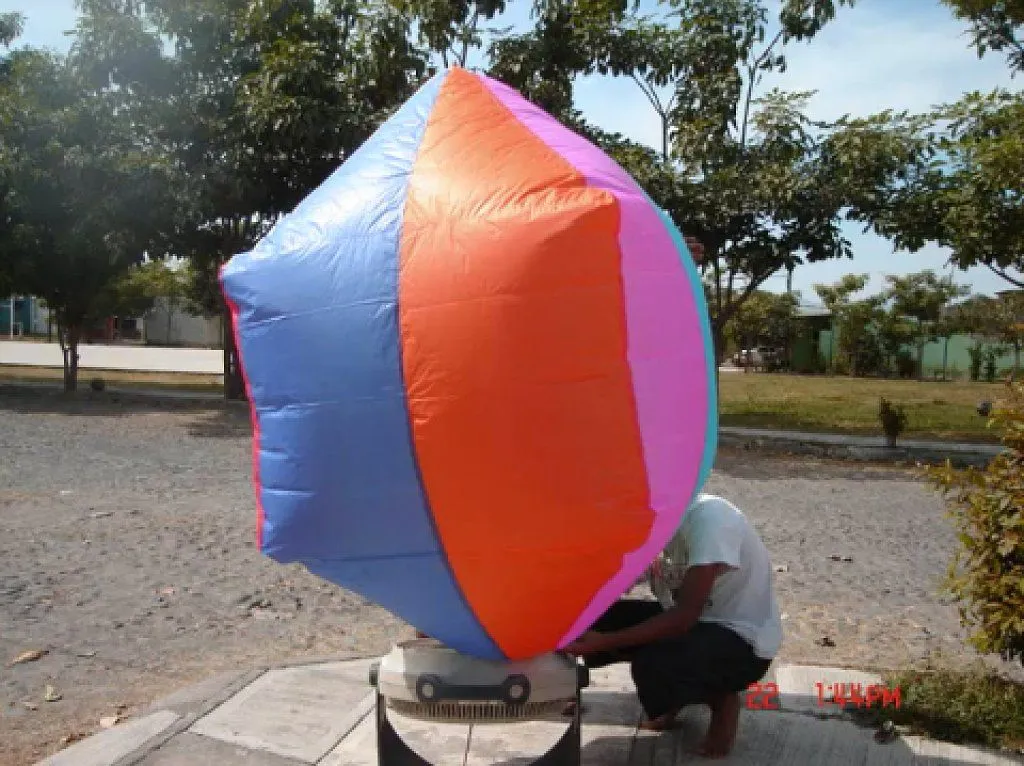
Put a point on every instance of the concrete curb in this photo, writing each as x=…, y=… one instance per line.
x=185, y=722
x=835, y=446
x=187, y=706
x=199, y=701
x=859, y=448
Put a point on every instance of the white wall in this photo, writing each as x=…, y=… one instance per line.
x=95, y=356
x=173, y=326
x=40, y=318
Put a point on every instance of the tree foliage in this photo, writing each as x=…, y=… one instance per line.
x=765, y=319
x=969, y=194
x=996, y=26
x=751, y=176
x=81, y=190
x=11, y=25
x=135, y=292
x=987, y=575
x=917, y=305
x=255, y=104
x=996, y=322
x=854, y=321
x=450, y=28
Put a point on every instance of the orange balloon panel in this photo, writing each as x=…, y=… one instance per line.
x=519, y=391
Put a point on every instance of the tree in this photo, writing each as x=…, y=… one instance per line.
x=563, y=43
x=10, y=29
x=924, y=298
x=258, y=103
x=81, y=191
x=969, y=196
x=136, y=291
x=765, y=319
x=995, y=25
x=996, y=323
x=450, y=28
x=855, y=322
x=11, y=25
x=1011, y=313
x=892, y=332
x=760, y=185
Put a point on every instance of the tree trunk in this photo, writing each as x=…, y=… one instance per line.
x=234, y=386
x=718, y=338
x=69, y=340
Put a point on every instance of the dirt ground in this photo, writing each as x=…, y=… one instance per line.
x=127, y=555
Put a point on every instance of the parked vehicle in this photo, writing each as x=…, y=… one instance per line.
x=757, y=358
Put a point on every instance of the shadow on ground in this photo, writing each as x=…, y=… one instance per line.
x=225, y=423
x=742, y=463
x=47, y=400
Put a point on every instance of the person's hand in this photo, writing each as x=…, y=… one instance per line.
x=589, y=643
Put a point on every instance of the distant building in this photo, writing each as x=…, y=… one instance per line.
x=816, y=348
x=23, y=315
x=170, y=324
x=814, y=323
x=164, y=325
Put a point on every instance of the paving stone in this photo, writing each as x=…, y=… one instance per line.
x=609, y=727
x=298, y=712
x=186, y=700
x=769, y=738
x=440, y=743
x=110, y=744
x=195, y=750
x=942, y=753
x=799, y=693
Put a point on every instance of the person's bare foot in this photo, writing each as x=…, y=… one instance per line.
x=661, y=723
x=725, y=720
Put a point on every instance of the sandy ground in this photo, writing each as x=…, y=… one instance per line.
x=126, y=553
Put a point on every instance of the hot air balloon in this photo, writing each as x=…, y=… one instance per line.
x=480, y=371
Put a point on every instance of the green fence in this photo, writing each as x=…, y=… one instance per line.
x=951, y=355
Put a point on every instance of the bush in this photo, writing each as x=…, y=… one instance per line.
x=974, y=707
x=893, y=419
x=987, y=575
x=906, y=365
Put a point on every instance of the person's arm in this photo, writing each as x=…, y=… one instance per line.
x=691, y=598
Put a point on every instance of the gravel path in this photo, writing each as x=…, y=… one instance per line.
x=127, y=555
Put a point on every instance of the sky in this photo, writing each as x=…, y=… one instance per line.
x=880, y=54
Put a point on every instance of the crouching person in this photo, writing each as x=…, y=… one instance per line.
x=713, y=631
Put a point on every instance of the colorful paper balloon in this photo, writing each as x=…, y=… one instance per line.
x=481, y=373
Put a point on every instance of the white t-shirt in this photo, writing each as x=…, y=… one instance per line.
x=714, y=531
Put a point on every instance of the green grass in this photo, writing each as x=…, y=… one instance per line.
x=945, y=411
x=975, y=707
x=757, y=400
